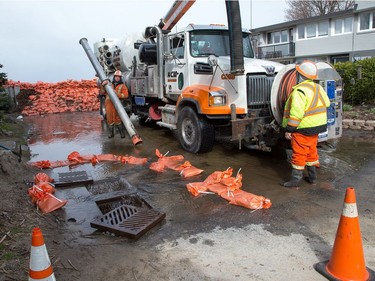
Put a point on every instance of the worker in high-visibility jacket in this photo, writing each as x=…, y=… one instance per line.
x=305, y=116
x=113, y=119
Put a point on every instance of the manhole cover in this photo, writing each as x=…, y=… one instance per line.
x=128, y=221
x=73, y=178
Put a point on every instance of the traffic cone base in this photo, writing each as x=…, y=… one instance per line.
x=347, y=259
x=321, y=267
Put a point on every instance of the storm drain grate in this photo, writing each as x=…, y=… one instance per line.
x=128, y=221
x=73, y=178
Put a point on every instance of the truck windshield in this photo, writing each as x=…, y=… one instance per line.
x=216, y=42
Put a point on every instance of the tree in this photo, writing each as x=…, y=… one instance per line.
x=3, y=78
x=306, y=9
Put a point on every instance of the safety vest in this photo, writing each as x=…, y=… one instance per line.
x=121, y=94
x=306, y=109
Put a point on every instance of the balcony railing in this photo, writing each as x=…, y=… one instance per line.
x=276, y=51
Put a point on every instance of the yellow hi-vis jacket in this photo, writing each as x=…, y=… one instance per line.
x=305, y=110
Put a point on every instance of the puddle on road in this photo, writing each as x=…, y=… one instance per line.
x=55, y=136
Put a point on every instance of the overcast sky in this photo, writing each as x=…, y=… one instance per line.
x=39, y=40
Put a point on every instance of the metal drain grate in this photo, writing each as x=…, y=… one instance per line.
x=128, y=221
x=73, y=178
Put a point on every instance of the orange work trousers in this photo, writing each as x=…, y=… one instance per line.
x=305, y=151
x=112, y=116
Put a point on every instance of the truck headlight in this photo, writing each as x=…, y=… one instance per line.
x=217, y=98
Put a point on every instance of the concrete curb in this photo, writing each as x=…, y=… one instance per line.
x=355, y=124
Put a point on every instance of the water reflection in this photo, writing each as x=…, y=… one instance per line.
x=54, y=137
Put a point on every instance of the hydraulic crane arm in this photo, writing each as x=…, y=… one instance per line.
x=178, y=9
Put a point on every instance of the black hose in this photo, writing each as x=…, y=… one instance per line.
x=235, y=37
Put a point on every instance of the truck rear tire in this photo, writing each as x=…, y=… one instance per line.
x=195, y=133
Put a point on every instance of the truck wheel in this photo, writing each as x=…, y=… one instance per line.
x=195, y=134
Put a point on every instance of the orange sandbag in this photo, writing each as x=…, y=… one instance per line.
x=187, y=170
x=217, y=188
x=50, y=203
x=46, y=187
x=196, y=188
x=45, y=201
x=232, y=183
x=247, y=200
x=106, y=157
x=46, y=164
x=43, y=164
x=76, y=158
x=132, y=160
x=165, y=161
x=42, y=177
x=157, y=166
x=217, y=176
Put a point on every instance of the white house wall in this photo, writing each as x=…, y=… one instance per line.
x=324, y=46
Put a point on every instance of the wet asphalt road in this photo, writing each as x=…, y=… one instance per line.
x=311, y=211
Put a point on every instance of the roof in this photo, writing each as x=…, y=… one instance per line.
x=191, y=27
x=301, y=21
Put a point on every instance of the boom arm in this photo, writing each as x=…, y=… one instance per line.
x=179, y=8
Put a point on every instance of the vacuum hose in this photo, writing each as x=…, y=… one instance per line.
x=235, y=37
x=111, y=93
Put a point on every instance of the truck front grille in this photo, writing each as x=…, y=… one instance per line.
x=258, y=90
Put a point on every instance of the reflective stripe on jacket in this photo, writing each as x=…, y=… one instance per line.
x=121, y=91
x=306, y=109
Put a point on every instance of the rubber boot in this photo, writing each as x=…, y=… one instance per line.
x=121, y=130
x=111, y=131
x=311, y=178
x=294, y=179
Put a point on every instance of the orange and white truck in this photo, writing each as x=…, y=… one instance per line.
x=204, y=82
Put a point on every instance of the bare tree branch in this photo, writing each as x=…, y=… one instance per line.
x=302, y=9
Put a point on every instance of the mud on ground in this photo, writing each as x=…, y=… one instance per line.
x=18, y=216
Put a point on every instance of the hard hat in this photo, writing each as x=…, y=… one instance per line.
x=308, y=69
x=117, y=73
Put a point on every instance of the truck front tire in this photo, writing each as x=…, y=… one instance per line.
x=195, y=133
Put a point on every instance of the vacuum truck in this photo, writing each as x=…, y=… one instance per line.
x=204, y=83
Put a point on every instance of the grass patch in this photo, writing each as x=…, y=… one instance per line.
x=8, y=256
x=347, y=107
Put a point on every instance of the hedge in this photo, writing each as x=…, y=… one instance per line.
x=358, y=90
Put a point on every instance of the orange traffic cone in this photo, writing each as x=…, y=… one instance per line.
x=40, y=265
x=347, y=260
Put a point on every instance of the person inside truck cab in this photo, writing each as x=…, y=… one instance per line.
x=207, y=49
x=113, y=119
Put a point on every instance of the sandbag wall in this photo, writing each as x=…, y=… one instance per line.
x=66, y=96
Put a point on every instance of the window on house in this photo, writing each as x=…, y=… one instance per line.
x=277, y=37
x=323, y=28
x=343, y=25
x=338, y=26
x=284, y=36
x=311, y=30
x=348, y=25
x=301, y=32
x=269, y=38
x=367, y=21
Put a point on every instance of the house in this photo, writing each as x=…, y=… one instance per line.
x=336, y=37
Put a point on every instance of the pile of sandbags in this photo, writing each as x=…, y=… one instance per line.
x=66, y=96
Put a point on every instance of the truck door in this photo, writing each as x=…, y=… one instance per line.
x=175, y=66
